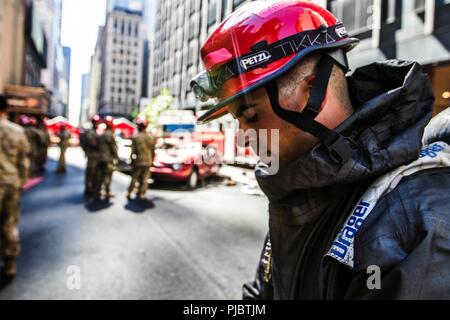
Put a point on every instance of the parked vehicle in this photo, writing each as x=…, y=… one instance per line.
x=187, y=162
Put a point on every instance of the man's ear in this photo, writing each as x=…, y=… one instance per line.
x=303, y=91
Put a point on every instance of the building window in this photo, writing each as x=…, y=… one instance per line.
x=212, y=12
x=391, y=12
x=191, y=5
x=224, y=9
x=357, y=15
x=419, y=5
x=237, y=3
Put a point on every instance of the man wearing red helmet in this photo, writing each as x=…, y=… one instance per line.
x=339, y=226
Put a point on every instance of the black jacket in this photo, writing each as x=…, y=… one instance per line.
x=407, y=234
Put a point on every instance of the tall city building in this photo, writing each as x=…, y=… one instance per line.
x=144, y=6
x=84, y=101
x=36, y=43
x=23, y=55
x=90, y=105
x=12, y=42
x=415, y=30
x=56, y=74
x=122, y=59
x=134, y=5
x=180, y=29
x=389, y=29
x=67, y=53
x=64, y=81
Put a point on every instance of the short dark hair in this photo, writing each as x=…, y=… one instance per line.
x=3, y=103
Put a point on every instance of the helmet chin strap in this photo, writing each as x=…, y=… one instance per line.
x=340, y=148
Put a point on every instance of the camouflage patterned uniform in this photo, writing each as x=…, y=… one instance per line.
x=34, y=140
x=90, y=142
x=64, y=137
x=142, y=159
x=44, y=143
x=106, y=163
x=14, y=166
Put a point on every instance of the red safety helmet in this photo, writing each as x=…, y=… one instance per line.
x=109, y=121
x=95, y=119
x=33, y=121
x=262, y=41
x=141, y=123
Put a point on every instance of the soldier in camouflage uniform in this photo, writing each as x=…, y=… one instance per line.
x=107, y=162
x=33, y=137
x=142, y=154
x=44, y=144
x=90, y=142
x=14, y=166
x=64, y=136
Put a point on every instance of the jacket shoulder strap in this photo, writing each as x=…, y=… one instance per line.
x=436, y=155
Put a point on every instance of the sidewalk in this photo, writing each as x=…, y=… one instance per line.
x=32, y=182
x=243, y=176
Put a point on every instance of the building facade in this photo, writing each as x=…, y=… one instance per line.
x=36, y=45
x=415, y=30
x=12, y=42
x=90, y=104
x=23, y=44
x=56, y=75
x=84, y=101
x=147, y=7
x=389, y=29
x=122, y=59
x=64, y=81
x=134, y=5
x=180, y=29
x=23, y=54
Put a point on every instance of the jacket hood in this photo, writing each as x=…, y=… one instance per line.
x=393, y=103
x=438, y=129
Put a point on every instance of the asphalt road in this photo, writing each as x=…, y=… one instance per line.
x=201, y=244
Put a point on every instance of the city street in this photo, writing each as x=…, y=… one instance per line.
x=200, y=244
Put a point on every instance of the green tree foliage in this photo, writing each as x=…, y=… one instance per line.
x=157, y=105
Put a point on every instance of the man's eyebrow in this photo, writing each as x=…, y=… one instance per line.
x=242, y=108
